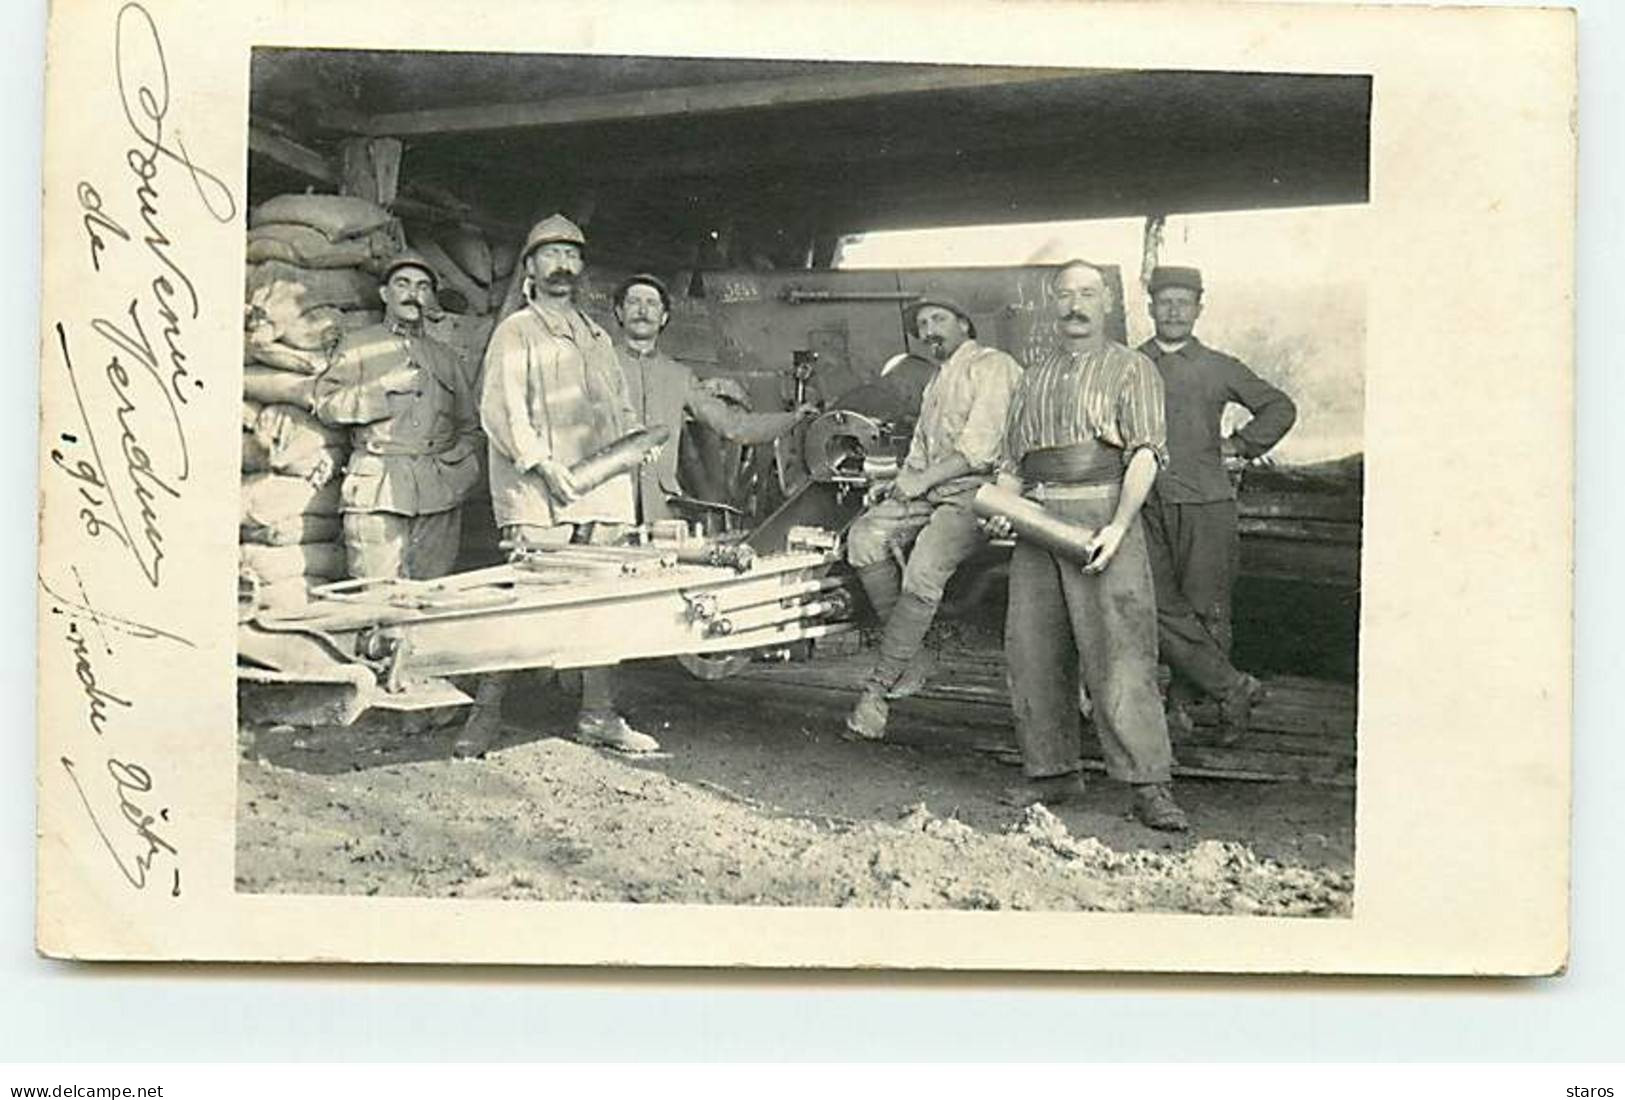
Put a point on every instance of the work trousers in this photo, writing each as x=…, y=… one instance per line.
x=1063, y=625
x=598, y=683
x=1195, y=552
x=386, y=544
x=942, y=535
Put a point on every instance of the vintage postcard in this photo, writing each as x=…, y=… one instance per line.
x=955, y=486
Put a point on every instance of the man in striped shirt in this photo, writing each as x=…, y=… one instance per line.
x=1085, y=437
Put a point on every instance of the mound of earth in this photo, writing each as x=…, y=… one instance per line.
x=552, y=820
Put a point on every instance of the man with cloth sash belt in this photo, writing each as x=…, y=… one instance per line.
x=552, y=395
x=1190, y=517
x=1085, y=438
x=415, y=432
x=956, y=440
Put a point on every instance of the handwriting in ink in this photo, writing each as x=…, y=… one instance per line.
x=137, y=492
x=102, y=620
x=130, y=781
x=90, y=201
x=97, y=697
x=144, y=93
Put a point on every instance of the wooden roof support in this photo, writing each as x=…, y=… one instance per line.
x=307, y=162
x=741, y=95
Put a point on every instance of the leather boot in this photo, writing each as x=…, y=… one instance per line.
x=484, y=723
x=867, y=722
x=882, y=583
x=1236, y=708
x=903, y=640
x=1154, y=805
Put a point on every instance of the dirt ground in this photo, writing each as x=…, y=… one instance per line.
x=757, y=800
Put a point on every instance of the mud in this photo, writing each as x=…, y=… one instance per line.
x=756, y=806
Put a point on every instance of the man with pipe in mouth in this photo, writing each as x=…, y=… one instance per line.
x=1085, y=438
x=927, y=507
x=664, y=392
x=552, y=395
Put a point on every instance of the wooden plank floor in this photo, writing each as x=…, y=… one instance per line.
x=1304, y=729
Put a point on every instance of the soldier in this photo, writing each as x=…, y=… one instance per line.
x=663, y=392
x=1085, y=436
x=553, y=393
x=956, y=440
x=415, y=432
x=1190, y=516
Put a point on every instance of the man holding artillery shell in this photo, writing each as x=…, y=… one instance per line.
x=1084, y=440
x=557, y=414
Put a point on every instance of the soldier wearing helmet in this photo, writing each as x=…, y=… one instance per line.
x=553, y=394
x=413, y=415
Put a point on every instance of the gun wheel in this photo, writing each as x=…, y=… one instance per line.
x=713, y=666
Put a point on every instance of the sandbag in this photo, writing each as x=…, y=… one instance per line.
x=288, y=429
x=336, y=217
x=274, y=386
x=281, y=357
x=256, y=455
x=269, y=564
x=251, y=414
x=319, y=466
x=293, y=531
x=307, y=247
x=314, y=330
x=467, y=248
x=272, y=499
x=343, y=287
x=283, y=597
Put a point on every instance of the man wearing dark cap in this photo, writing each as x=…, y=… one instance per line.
x=553, y=394
x=956, y=440
x=1190, y=517
x=410, y=403
x=665, y=392
x=1085, y=438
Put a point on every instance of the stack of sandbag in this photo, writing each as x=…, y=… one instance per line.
x=290, y=532
x=313, y=264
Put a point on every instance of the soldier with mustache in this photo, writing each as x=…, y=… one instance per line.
x=927, y=507
x=1086, y=437
x=552, y=394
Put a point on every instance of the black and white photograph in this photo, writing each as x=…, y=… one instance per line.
x=800, y=483
x=1028, y=488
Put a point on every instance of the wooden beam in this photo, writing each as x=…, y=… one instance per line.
x=290, y=154
x=741, y=95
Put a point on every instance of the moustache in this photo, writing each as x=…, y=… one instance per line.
x=1075, y=315
x=560, y=278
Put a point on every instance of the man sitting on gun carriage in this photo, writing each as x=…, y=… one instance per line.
x=956, y=440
